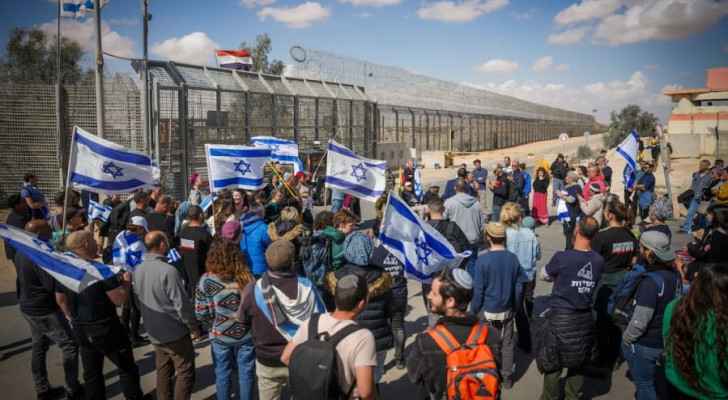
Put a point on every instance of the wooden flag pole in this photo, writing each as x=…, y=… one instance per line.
x=278, y=174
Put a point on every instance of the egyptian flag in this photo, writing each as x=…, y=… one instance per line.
x=234, y=59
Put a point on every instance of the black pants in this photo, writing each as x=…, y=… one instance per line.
x=131, y=316
x=399, y=310
x=523, y=316
x=108, y=339
x=569, y=234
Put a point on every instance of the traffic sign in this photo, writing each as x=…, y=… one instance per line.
x=564, y=136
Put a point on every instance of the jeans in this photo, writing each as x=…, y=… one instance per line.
x=694, y=204
x=642, y=361
x=572, y=387
x=225, y=358
x=52, y=328
x=495, y=215
x=175, y=359
x=557, y=185
x=107, y=339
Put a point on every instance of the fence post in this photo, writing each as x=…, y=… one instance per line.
x=182, y=113
x=295, y=118
x=351, y=124
x=316, y=118
x=414, y=140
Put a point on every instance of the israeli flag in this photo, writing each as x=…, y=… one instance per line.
x=562, y=211
x=128, y=251
x=98, y=211
x=78, y=8
x=207, y=202
x=353, y=174
x=72, y=272
x=629, y=150
x=418, y=183
x=416, y=244
x=282, y=150
x=231, y=166
x=173, y=256
x=101, y=166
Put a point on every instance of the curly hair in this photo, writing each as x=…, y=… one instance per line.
x=708, y=296
x=225, y=260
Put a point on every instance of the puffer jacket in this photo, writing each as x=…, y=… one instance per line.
x=378, y=313
x=253, y=244
x=563, y=339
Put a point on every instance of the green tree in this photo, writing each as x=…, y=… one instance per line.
x=260, y=52
x=30, y=56
x=622, y=123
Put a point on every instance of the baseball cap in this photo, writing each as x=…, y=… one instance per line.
x=138, y=220
x=659, y=243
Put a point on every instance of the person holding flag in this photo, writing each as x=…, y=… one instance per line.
x=629, y=151
x=352, y=174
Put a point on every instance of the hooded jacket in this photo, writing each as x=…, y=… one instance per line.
x=253, y=244
x=464, y=210
x=378, y=312
x=337, y=246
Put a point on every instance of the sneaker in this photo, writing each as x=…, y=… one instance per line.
x=400, y=364
x=53, y=393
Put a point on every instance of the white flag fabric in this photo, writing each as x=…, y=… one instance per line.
x=98, y=211
x=353, y=174
x=72, y=272
x=233, y=166
x=629, y=150
x=128, y=250
x=283, y=151
x=416, y=244
x=418, y=183
x=562, y=212
x=101, y=166
x=78, y=8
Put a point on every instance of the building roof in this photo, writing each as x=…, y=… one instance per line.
x=686, y=91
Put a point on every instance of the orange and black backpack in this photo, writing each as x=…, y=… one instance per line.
x=471, y=370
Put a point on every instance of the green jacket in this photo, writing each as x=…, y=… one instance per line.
x=705, y=358
x=337, y=246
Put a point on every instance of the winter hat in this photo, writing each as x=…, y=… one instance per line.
x=659, y=243
x=279, y=255
x=193, y=178
x=529, y=223
x=231, y=230
x=595, y=188
x=358, y=248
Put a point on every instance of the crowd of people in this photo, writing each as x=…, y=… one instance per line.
x=307, y=303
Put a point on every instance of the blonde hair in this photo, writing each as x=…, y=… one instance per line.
x=290, y=214
x=511, y=214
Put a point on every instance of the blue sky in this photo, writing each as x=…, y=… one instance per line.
x=579, y=55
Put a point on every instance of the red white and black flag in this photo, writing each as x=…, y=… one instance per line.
x=234, y=59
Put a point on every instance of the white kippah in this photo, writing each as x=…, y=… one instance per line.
x=462, y=278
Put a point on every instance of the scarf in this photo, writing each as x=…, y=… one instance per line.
x=284, y=313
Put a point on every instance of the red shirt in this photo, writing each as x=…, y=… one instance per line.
x=599, y=180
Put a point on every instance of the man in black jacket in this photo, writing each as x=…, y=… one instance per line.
x=449, y=298
x=559, y=168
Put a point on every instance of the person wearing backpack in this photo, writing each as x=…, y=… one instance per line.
x=618, y=246
x=566, y=339
x=642, y=343
x=336, y=341
x=432, y=364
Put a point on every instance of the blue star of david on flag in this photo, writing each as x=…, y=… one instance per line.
x=112, y=169
x=359, y=172
x=242, y=167
x=423, y=251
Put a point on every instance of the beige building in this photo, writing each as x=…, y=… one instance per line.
x=699, y=121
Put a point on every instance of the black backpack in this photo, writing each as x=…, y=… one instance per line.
x=313, y=370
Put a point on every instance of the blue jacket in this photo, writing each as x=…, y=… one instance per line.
x=495, y=276
x=526, y=183
x=253, y=244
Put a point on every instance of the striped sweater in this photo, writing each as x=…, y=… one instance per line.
x=216, y=306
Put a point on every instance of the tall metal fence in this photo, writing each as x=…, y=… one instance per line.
x=193, y=105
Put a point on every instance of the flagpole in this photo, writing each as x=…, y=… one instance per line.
x=275, y=171
x=59, y=78
x=145, y=77
x=99, y=73
x=665, y=162
x=315, y=171
x=71, y=159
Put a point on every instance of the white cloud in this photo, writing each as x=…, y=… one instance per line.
x=601, y=96
x=371, y=3
x=660, y=20
x=543, y=64
x=363, y=15
x=459, y=11
x=194, y=48
x=84, y=32
x=126, y=22
x=562, y=67
x=497, y=65
x=300, y=16
x=570, y=36
x=660, y=98
x=587, y=10
x=256, y=3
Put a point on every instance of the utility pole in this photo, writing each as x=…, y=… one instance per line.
x=59, y=109
x=99, y=73
x=146, y=106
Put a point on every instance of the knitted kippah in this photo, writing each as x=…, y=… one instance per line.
x=462, y=278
